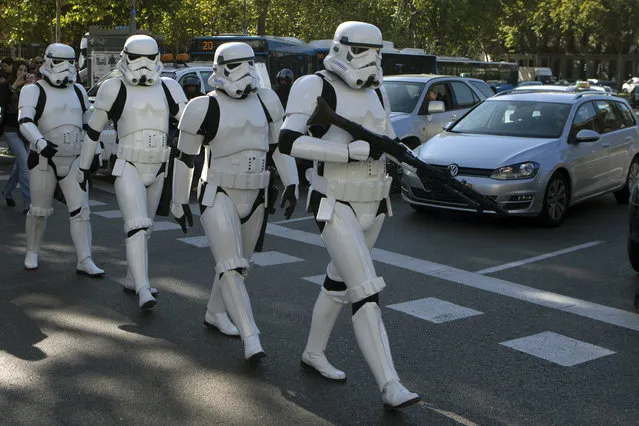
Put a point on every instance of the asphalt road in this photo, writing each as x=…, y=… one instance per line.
x=491, y=321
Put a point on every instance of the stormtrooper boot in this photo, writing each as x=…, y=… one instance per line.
x=35, y=226
x=372, y=339
x=238, y=305
x=327, y=308
x=81, y=237
x=215, y=316
x=138, y=263
x=129, y=284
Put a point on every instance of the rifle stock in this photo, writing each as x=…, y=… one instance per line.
x=430, y=176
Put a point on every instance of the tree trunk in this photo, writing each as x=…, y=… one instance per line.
x=261, y=19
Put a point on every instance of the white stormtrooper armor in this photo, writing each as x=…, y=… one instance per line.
x=349, y=196
x=140, y=104
x=51, y=114
x=238, y=127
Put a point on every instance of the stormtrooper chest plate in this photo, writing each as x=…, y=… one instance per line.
x=145, y=108
x=242, y=127
x=361, y=106
x=62, y=108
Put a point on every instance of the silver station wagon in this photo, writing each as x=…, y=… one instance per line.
x=536, y=154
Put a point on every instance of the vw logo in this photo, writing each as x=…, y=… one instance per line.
x=453, y=169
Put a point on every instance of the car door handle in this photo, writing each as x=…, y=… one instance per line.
x=605, y=145
x=453, y=117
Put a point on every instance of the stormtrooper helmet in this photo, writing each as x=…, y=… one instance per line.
x=355, y=54
x=234, y=70
x=140, y=60
x=59, y=64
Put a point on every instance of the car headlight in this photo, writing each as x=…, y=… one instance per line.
x=525, y=170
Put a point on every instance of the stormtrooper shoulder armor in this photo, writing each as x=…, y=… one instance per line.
x=271, y=103
x=303, y=96
x=107, y=94
x=29, y=99
x=176, y=91
x=194, y=115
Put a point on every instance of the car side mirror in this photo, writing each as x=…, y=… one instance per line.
x=435, y=107
x=448, y=125
x=586, y=135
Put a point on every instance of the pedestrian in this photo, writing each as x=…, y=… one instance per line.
x=284, y=80
x=139, y=103
x=237, y=124
x=17, y=144
x=349, y=197
x=52, y=114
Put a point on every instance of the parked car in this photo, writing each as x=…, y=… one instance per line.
x=536, y=154
x=630, y=85
x=415, y=118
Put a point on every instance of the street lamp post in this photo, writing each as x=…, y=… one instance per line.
x=57, y=21
x=245, y=30
x=132, y=23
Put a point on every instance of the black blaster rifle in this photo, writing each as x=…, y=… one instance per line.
x=430, y=176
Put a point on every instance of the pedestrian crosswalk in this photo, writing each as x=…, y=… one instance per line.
x=547, y=345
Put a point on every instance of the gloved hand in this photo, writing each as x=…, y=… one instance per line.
x=182, y=214
x=45, y=148
x=289, y=196
x=83, y=177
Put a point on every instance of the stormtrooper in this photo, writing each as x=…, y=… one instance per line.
x=139, y=103
x=238, y=124
x=51, y=114
x=349, y=197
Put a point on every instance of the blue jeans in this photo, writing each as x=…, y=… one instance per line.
x=20, y=171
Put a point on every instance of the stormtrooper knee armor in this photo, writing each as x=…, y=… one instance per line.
x=54, y=131
x=349, y=196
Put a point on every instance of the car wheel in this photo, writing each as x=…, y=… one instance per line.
x=556, y=200
x=623, y=195
x=633, y=254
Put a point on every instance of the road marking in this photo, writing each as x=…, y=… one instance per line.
x=434, y=310
x=4, y=177
x=103, y=186
x=315, y=279
x=199, y=242
x=606, y=314
x=270, y=258
x=165, y=225
x=96, y=203
x=298, y=219
x=558, y=349
x=109, y=214
x=536, y=258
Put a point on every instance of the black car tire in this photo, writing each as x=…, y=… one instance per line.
x=633, y=254
x=556, y=199
x=623, y=195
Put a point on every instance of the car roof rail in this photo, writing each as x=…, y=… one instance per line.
x=504, y=92
x=592, y=92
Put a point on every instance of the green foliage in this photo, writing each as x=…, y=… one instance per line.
x=446, y=27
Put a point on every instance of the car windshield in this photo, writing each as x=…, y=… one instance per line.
x=526, y=119
x=93, y=91
x=205, y=78
x=403, y=95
